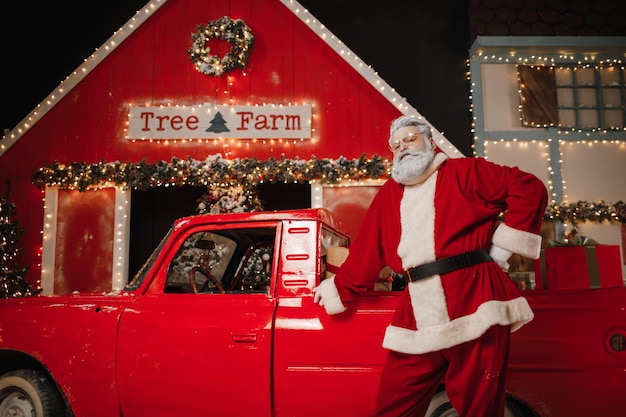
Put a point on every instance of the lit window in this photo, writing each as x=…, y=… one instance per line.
x=573, y=97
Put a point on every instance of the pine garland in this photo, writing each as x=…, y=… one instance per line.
x=213, y=170
x=216, y=172
x=586, y=211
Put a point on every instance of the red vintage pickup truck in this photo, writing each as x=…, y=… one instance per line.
x=221, y=321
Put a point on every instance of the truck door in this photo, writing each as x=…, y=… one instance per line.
x=325, y=365
x=199, y=339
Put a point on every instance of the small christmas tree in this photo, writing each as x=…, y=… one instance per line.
x=238, y=198
x=12, y=282
x=218, y=124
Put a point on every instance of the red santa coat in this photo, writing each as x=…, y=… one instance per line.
x=453, y=209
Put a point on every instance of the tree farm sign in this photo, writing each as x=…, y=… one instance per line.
x=220, y=122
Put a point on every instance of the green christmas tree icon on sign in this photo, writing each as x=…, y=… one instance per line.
x=218, y=124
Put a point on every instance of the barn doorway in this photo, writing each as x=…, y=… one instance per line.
x=154, y=210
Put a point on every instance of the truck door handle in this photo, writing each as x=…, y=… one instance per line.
x=244, y=339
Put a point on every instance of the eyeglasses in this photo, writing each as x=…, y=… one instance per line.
x=408, y=140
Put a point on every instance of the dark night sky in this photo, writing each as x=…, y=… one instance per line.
x=419, y=48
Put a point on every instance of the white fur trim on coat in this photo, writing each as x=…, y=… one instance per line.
x=514, y=312
x=517, y=241
x=417, y=222
x=330, y=296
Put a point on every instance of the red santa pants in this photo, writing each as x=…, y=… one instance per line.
x=474, y=373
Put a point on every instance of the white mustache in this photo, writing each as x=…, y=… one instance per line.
x=406, y=171
x=407, y=152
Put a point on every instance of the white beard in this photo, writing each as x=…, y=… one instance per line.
x=407, y=169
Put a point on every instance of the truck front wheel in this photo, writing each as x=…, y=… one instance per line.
x=440, y=406
x=29, y=393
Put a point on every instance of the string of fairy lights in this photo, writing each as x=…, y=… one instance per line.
x=564, y=63
x=216, y=171
x=561, y=142
x=213, y=170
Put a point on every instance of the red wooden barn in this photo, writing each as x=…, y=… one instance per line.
x=188, y=92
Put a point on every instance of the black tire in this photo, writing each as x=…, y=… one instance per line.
x=25, y=392
x=440, y=406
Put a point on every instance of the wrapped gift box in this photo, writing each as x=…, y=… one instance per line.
x=575, y=267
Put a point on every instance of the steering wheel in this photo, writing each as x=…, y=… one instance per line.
x=207, y=274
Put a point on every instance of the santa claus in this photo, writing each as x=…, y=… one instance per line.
x=437, y=222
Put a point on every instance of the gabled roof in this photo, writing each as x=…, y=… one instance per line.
x=101, y=53
x=78, y=74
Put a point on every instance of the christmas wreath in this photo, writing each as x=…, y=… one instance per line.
x=235, y=32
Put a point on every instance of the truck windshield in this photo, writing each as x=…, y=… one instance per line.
x=141, y=274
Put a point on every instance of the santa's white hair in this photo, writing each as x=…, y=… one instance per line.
x=404, y=121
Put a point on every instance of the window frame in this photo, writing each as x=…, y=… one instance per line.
x=597, y=89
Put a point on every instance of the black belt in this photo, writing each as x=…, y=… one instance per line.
x=444, y=265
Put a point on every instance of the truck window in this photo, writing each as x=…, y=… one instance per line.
x=226, y=261
x=329, y=239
